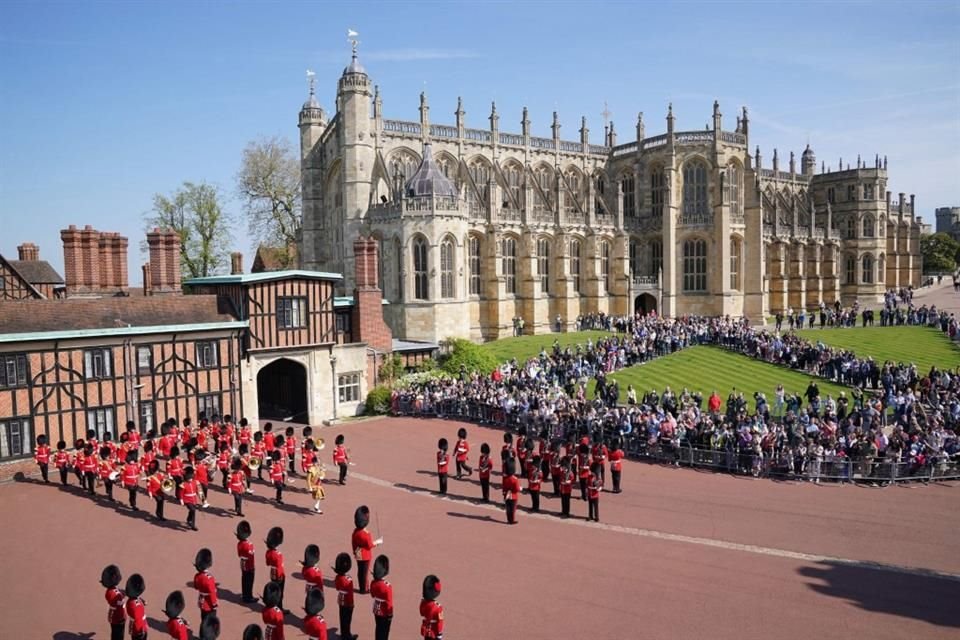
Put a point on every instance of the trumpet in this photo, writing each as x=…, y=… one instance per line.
x=254, y=464
x=168, y=486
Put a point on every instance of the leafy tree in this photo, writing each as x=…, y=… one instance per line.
x=268, y=184
x=195, y=213
x=939, y=252
x=469, y=357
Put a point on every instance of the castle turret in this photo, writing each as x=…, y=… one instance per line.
x=808, y=161
x=312, y=120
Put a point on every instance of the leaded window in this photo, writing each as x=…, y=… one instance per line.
x=475, y=262
x=420, y=276
x=695, y=189
x=508, y=251
x=695, y=266
x=543, y=264
x=446, y=270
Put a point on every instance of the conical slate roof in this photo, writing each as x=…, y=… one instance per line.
x=429, y=180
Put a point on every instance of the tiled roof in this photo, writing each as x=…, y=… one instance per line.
x=37, y=271
x=77, y=314
x=274, y=259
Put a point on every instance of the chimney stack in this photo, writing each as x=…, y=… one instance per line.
x=146, y=279
x=164, y=248
x=29, y=252
x=368, y=324
x=236, y=263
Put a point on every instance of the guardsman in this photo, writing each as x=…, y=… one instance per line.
x=175, y=468
x=133, y=436
x=343, y=583
x=599, y=454
x=272, y=614
x=136, y=607
x=555, y=469
x=340, y=457
x=506, y=453
x=461, y=453
x=155, y=488
x=61, y=460
x=274, y=560
x=237, y=485
x=594, y=487
x=382, y=593
x=431, y=628
x=534, y=482
x=149, y=455
x=443, y=463
x=583, y=468
x=244, y=436
x=362, y=543
x=616, y=463
x=290, y=448
x=307, y=450
x=116, y=616
x=567, y=479
x=511, y=491
x=484, y=468
x=79, y=455
x=89, y=467
x=130, y=477
x=277, y=475
x=259, y=452
x=311, y=568
x=41, y=456
x=177, y=627
x=313, y=624
x=105, y=469
x=521, y=449
x=315, y=476
x=190, y=496
x=269, y=443
x=204, y=583
x=246, y=553
x=223, y=462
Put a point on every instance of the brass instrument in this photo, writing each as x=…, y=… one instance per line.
x=319, y=443
x=168, y=486
x=254, y=464
x=322, y=475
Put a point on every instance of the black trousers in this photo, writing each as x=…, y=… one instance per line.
x=132, y=496
x=565, y=504
x=382, y=627
x=246, y=585
x=556, y=486
x=616, y=480
x=583, y=488
x=443, y=482
x=79, y=475
x=346, y=618
x=363, y=568
x=603, y=475
x=238, y=503
x=535, y=498
x=223, y=478
x=108, y=485
x=463, y=466
x=192, y=515
x=291, y=467
x=178, y=481
x=89, y=477
x=63, y=476
x=116, y=631
x=485, y=489
x=204, y=615
x=511, y=510
x=343, y=472
x=44, y=471
x=159, y=499
x=279, y=487
x=594, y=510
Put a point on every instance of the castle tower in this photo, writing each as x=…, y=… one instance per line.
x=312, y=122
x=808, y=162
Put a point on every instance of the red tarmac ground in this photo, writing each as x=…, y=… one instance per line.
x=679, y=554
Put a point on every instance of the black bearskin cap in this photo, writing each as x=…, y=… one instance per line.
x=243, y=421
x=381, y=567
x=236, y=464
x=174, y=605
x=361, y=517
x=289, y=431
x=223, y=445
x=311, y=555
x=583, y=448
x=268, y=427
x=110, y=577
x=192, y=443
x=339, y=439
x=462, y=433
x=79, y=444
x=508, y=438
x=253, y=632
x=41, y=439
x=274, y=538
x=544, y=434
x=104, y=452
x=528, y=444
x=174, y=451
x=148, y=446
x=243, y=449
x=210, y=628
x=595, y=468
x=485, y=449
x=131, y=425
x=442, y=444
x=88, y=450
x=343, y=564
x=258, y=436
x=278, y=441
x=153, y=467
x=243, y=530
x=188, y=473
x=314, y=603
x=522, y=431
x=275, y=455
x=431, y=587
x=307, y=432
x=199, y=454
x=61, y=445
x=204, y=560
x=135, y=586
x=131, y=456
x=91, y=434
x=271, y=594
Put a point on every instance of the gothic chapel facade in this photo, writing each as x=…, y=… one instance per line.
x=479, y=226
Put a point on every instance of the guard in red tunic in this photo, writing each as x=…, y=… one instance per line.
x=311, y=568
x=110, y=578
x=259, y=452
x=106, y=469
x=243, y=437
x=382, y=593
x=190, y=497
x=290, y=449
x=313, y=624
x=507, y=452
x=461, y=453
x=89, y=467
x=61, y=460
x=616, y=463
x=534, y=482
x=583, y=468
x=277, y=476
x=340, y=457
x=599, y=454
x=484, y=468
x=307, y=451
x=443, y=463
x=237, y=485
x=555, y=470
x=175, y=468
x=272, y=614
x=136, y=607
x=343, y=583
x=594, y=487
x=223, y=463
x=155, y=488
x=274, y=558
x=41, y=456
x=204, y=583
x=511, y=491
x=246, y=553
x=430, y=610
x=567, y=479
x=177, y=627
x=521, y=449
x=130, y=477
x=79, y=455
x=362, y=543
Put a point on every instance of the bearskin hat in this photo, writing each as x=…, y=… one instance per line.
x=174, y=605
x=271, y=594
x=361, y=517
x=223, y=445
x=618, y=442
x=288, y=431
x=151, y=433
x=278, y=441
x=343, y=564
x=381, y=567
x=210, y=627
x=243, y=421
x=565, y=462
x=41, y=440
x=236, y=464
x=88, y=450
x=148, y=446
x=131, y=456
x=243, y=449
x=105, y=452
x=485, y=449
x=204, y=560
x=309, y=444
x=153, y=467
x=124, y=436
x=174, y=451
x=462, y=433
x=544, y=434
x=200, y=454
x=311, y=555
x=131, y=425
x=431, y=587
x=339, y=439
x=110, y=576
x=258, y=436
x=192, y=443
x=253, y=632
x=307, y=432
x=508, y=438
x=509, y=467
x=61, y=445
x=583, y=448
x=275, y=455
x=522, y=431
x=135, y=586
x=528, y=444
x=442, y=444
x=536, y=461
x=243, y=530
x=268, y=427
x=274, y=538
x=314, y=603
x=187, y=422
x=188, y=473
x=79, y=444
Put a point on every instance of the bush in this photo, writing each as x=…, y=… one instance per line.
x=378, y=401
x=466, y=355
x=392, y=368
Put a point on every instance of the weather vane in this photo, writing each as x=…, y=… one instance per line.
x=310, y=77
x=605, y=113
x=352, y=39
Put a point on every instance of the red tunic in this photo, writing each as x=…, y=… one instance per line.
x=178, y=629
x=131, y=474
x=339, y=455
x=61, y=459
x=344, y=586
x=315, y=627
x=275, y=562
x=382, y=593
x=268, y=441
x=362, y=544
x=138, y=616
x=155, y=485
x=273, y=623
x=246, y=554
x=89, y=464
x=484, y=467
x=223, y=460
x=276, y=473
x=314, y=578
x=290, y=447
x=175, y=468
x=511, y=488
x=42, y=454
x=593, y=487
x=432, y=613
x=206, y=588
x=442, y=461
x=616, y=460
x=534, y=480
x=188, y=492
x=566, y=483
x=202, y=476
x=115, y=613
x=461, y=450
x=106, y=468
x=237, y=483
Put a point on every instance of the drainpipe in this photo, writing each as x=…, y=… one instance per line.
x=333, y=369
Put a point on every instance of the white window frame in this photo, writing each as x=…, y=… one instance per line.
x=348, y=387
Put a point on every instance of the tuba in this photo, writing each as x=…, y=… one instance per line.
x=168, y=485
x=320, y=444
x=254, y=464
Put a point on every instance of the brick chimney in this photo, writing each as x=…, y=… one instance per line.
x=81, y=259
x=29, y=252
x=146, y=279
x=367, y=320
x=236, y=263
x=113, y=262
x=164, y=247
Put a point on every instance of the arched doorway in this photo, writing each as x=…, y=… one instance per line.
x=644, y=304
x=282, y=391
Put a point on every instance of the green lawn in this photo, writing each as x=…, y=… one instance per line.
x=921, y=345
x=525, y=347
x=709, y=368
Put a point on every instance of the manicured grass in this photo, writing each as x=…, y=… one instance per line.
x=709, y=368
x=921, y=345
x=524, y=347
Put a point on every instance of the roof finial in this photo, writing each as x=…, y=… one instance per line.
x=352, y=39
x=310, y=79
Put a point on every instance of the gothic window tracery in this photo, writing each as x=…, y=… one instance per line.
x=695, y=188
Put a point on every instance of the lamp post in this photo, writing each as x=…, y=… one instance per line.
x=333, y=369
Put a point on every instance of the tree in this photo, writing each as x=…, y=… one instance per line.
x=939, y=253
x=269, y=187
x=194, y=212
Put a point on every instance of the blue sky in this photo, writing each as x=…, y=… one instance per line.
x=104, y=104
